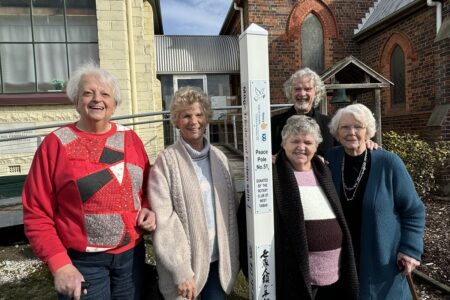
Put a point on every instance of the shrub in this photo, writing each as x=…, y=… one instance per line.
x=422, y=159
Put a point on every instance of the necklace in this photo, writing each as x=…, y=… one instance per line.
x=352, y=190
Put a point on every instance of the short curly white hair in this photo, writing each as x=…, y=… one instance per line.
x=92, y=68
x=361, y=113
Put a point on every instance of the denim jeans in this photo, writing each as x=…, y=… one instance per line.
x=212, y=289
x=111, y=276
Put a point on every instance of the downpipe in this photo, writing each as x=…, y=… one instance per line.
x=438, y=13
x=241, y=15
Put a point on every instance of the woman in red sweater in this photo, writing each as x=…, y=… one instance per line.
x=84, y=206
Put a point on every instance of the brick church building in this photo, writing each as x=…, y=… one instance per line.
x=406, y=41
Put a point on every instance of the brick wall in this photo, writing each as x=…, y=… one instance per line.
x=282, y=19
x=113, y=46
x=427, y=61
x=141, y=92
x=427, y=69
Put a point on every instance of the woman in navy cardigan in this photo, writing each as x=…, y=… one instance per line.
x=383, y=210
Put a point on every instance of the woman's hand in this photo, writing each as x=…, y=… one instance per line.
x=188, y=289
x=406, y=263
x=146, y=219
x=274, y=158
x=371, y=145
x=68, y=281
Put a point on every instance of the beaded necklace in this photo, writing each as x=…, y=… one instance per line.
x=352, y=190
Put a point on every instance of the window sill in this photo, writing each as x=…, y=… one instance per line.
x=34, y=99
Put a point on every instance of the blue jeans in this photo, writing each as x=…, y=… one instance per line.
x=212, y=289
x=111, y=276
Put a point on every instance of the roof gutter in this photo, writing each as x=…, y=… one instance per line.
x=438, y=13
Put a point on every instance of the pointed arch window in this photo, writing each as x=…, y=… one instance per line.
x=398, y=76
x=312, y=43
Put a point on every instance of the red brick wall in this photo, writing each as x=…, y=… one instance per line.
x=427, y=61
x=282, y=19
x=273, y=16
x=427, y=69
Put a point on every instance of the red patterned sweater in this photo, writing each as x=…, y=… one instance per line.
x=84, y=192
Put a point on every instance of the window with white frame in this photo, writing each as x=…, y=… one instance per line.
x=43, y=41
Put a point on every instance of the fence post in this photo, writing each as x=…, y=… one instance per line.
x=233, y=118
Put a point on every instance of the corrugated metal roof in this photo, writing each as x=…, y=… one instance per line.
x=176, y=54
x=381, y=10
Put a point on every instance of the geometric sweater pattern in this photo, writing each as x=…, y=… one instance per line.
x=107, y=189
x=84, y=192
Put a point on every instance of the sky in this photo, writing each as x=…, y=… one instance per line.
x=193, y=17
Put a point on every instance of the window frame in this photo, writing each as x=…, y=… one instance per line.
x=36, y=96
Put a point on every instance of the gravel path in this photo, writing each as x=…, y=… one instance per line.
x=436, y=257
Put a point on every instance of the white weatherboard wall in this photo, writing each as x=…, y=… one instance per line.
x=254, y=60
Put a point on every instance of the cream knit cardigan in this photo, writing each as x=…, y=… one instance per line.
x=181, y=241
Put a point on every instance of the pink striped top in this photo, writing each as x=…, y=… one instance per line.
x=323, y=232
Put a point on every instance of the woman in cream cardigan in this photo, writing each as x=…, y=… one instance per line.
x=191, y=188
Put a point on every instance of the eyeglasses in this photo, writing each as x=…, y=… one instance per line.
x=348, y=128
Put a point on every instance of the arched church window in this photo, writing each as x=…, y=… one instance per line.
x=398, y=76
x=312, y=43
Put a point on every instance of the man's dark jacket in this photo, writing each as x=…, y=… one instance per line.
x=291, y=245
x=278, y=122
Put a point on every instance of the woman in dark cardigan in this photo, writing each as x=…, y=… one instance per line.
x=313, y=248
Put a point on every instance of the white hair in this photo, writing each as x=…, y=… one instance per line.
x=319, y=86
x=92, y=68
x=360, y=112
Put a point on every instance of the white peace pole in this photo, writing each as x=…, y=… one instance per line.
x=254, y=61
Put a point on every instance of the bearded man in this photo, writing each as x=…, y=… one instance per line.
x=305, y=90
